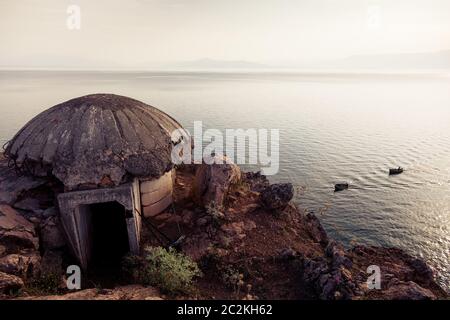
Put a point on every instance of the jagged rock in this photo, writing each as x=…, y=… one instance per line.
x=407, y=291
x=29, y=204
x=338, y=284
x=316, y=230
x=313, y=269
x=317, y=275
x=213, y=182
x=22, y=265
x=257, y=181
x=422, y=270
x=395, y=264
x=336, y=252
x=15, y=231
x=277, y=196
x=328, y=284
x=9, y=283
x=51, y=232
x=13, y=185
x=329, y=276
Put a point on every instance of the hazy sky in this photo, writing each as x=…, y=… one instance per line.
x=137, y=33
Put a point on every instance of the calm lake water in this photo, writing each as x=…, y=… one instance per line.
x=333, y=127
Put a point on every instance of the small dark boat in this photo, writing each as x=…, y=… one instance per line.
x=340, y=187
x=395, y=171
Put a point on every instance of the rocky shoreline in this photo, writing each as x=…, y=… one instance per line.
x=248, y=239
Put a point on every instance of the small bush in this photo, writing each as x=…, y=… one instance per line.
x=170, y=271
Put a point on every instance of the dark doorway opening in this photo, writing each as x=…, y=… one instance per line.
x=109, y=239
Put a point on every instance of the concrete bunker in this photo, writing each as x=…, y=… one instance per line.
x=112, y=155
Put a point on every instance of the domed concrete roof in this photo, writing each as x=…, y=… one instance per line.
x=95, y=138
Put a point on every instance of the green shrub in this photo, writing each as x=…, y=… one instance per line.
x=170, y=271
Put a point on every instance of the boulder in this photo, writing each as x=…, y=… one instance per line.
x=257, y=181
x=423, y=273
x=316, y=229
x=407, y=291
x=9, y=283
x=13, y=185
x=396, y=264
x=30, y=205
x=330, y=277
x=327, y=282
x=15, y=231
x=277, y=196
x=22, y=265
x=212, y=183
x=336, y=252
x=313, y=269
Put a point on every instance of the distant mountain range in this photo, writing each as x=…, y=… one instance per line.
x=398, y=61
x=401, y=61
x=370, y=62
x=211, y=64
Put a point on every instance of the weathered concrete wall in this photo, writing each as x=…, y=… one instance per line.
x=75, y=217
x=156, y=194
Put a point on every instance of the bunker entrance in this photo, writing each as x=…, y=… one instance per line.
x=109, y=235
x=102, y=225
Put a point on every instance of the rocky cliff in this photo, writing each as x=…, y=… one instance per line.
x=246, y=236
